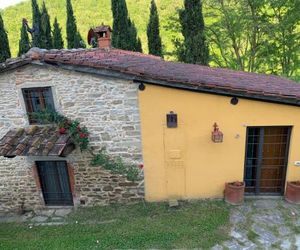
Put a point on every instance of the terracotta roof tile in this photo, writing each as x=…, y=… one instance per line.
x=138, y=64
x=34, y=141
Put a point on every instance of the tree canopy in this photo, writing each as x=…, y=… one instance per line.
x=153, y=33
x=124, y=34
x=4, y=45
x=193, y=48
x=24, y=43
x=58, y=42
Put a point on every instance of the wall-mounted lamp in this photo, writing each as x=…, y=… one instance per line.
x=234, y=101
x=142, y=86
x=172, y=120
x=216, y=135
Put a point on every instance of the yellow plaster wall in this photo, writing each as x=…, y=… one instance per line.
x=202, y=167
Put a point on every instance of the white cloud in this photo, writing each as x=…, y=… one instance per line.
x=6, y=3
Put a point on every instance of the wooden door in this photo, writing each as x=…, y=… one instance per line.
x=55, y=183
x=174, y=142
x=266, y=159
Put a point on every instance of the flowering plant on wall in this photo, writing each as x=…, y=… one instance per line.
x=80, y=136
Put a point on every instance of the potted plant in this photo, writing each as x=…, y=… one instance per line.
x=234, y=192
x=292, y=192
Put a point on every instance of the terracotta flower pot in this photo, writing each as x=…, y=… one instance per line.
x=292, y=192
x=234, y=192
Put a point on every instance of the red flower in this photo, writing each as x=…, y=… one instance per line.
x=141, y=166
x=82, y=135
x=62, y=130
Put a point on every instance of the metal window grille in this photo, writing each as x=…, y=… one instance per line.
x=37, y=99
x=266, y=159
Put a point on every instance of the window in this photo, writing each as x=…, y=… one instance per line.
x=38, y=99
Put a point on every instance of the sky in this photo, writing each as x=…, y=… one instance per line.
x=6, y=3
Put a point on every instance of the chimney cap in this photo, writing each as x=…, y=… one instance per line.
x=97, y=30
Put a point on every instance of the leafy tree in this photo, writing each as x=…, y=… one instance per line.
x=154, y=39
x=194, y=48
x=124, y=34
x=4, y=45
x=36, y=25
x=283, y=42
x=24, y=43
x=237, y=34
x=58, y=42
x=74, y=39
x=255, y=35
x=46, y=37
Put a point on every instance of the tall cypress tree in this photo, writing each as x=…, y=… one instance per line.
x=134, y=41
x=24, y=44
x=74, y=39
x=58, y=42
x=46, y=37
x=154, y=39
x=36, y=25
x=194, y=48
x=124, y=34
x=4, y=45
x=78, y=41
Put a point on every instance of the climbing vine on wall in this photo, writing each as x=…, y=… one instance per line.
x=80, y=136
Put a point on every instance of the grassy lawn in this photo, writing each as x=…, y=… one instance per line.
x=144, y=225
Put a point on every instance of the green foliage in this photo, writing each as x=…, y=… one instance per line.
x=4, y=45
x=80, y=136
x=24, y=43
x=115, y=165
x=255, y=36
x=46, y=36
x=78, y=41
x=90, y=13
x=153, y=34
x=73, y=37
x=283, y=38
x=58, y=42
x=36, y=25
x=194, y=48
x=124, y=34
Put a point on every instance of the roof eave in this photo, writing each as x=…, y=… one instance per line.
x=177, y=85
x=11, y=65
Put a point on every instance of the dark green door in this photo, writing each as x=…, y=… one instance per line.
x=55, y=183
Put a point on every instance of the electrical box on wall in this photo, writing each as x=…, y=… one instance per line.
x=297, y=163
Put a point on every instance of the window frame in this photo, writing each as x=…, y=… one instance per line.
x=28, y=102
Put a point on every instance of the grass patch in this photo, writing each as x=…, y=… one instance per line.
x=143, y=225
x=252, y=235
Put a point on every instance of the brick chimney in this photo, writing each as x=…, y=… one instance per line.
x=102, y=34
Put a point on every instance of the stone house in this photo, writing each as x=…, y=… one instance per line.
x=147, y=111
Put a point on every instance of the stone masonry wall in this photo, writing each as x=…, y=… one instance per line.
x=108, y=107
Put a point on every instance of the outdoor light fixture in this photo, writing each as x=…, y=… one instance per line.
x=216, y=135
x=142, y=87
x=234, y=101
x=172, y=120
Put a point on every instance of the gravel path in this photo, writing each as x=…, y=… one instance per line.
x=264, y=224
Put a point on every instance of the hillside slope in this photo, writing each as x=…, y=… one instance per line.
x=91, y=13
